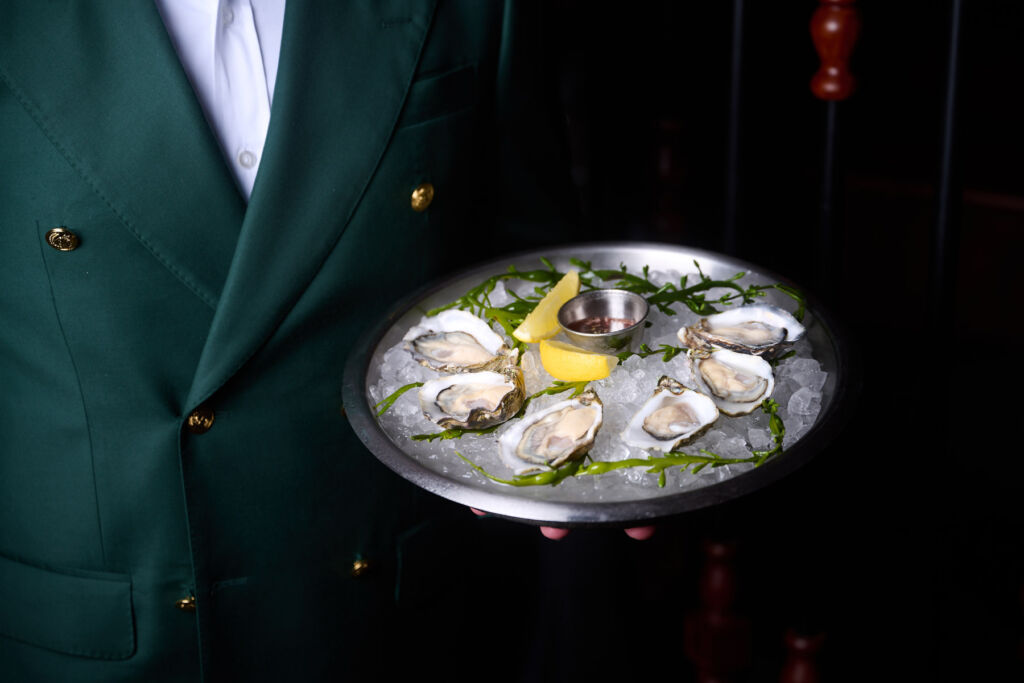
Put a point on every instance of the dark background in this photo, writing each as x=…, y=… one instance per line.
x=901, y=543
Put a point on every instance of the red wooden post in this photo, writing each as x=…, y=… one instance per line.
x=800, y=666
x=716, y=639
x=834, y=29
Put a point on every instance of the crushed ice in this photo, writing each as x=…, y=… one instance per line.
x=798, y=391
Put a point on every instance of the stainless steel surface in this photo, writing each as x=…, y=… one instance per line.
x=448, y=477
x=613, y=304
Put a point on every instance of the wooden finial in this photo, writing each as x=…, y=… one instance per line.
x=802, y=651
x=834, y=29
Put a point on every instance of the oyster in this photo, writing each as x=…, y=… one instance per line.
x=456, y=341
x=552, y=436
x=759, y=329
x=672, y=416
x=736, y=382
x=473, y=400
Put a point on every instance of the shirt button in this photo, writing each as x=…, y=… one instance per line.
x=62, y=239
x=227, y=16
x=422, y=196
x=199, y=420
x=247, y=159
x=187, y=604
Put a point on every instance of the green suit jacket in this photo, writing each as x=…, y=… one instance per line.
x=180, y=297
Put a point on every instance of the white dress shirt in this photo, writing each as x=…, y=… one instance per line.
x=230, y=50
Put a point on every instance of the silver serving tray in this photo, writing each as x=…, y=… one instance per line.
x=557, y=505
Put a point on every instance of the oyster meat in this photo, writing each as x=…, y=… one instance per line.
x=672, y=416
x=456, y=341
x=759, y=329
x=552, y=436
x=473, y=400
x=736, y=382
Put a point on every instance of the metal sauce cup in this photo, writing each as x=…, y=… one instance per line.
x=604, y=320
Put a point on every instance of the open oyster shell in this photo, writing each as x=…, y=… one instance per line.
x=737, y=382
x=473, y=400
x=759, y=329
x=672, y=416
x=456, y=341
x=551, y=437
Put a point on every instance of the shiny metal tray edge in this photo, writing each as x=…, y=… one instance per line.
x=825, y=336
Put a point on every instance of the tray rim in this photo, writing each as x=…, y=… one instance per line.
x=502, y=502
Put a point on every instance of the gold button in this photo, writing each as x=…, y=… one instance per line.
x=360, y=567
x=422, y=196
x=62, y=239
x=199, y=420
x=187, y=604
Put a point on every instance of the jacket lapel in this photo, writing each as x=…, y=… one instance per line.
x=92, y=73
x=344, y=73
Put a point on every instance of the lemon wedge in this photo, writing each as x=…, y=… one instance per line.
x=542, y=321
x=572, y=364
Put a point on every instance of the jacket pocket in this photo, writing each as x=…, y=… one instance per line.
x=439, y=95
x=88, y=614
